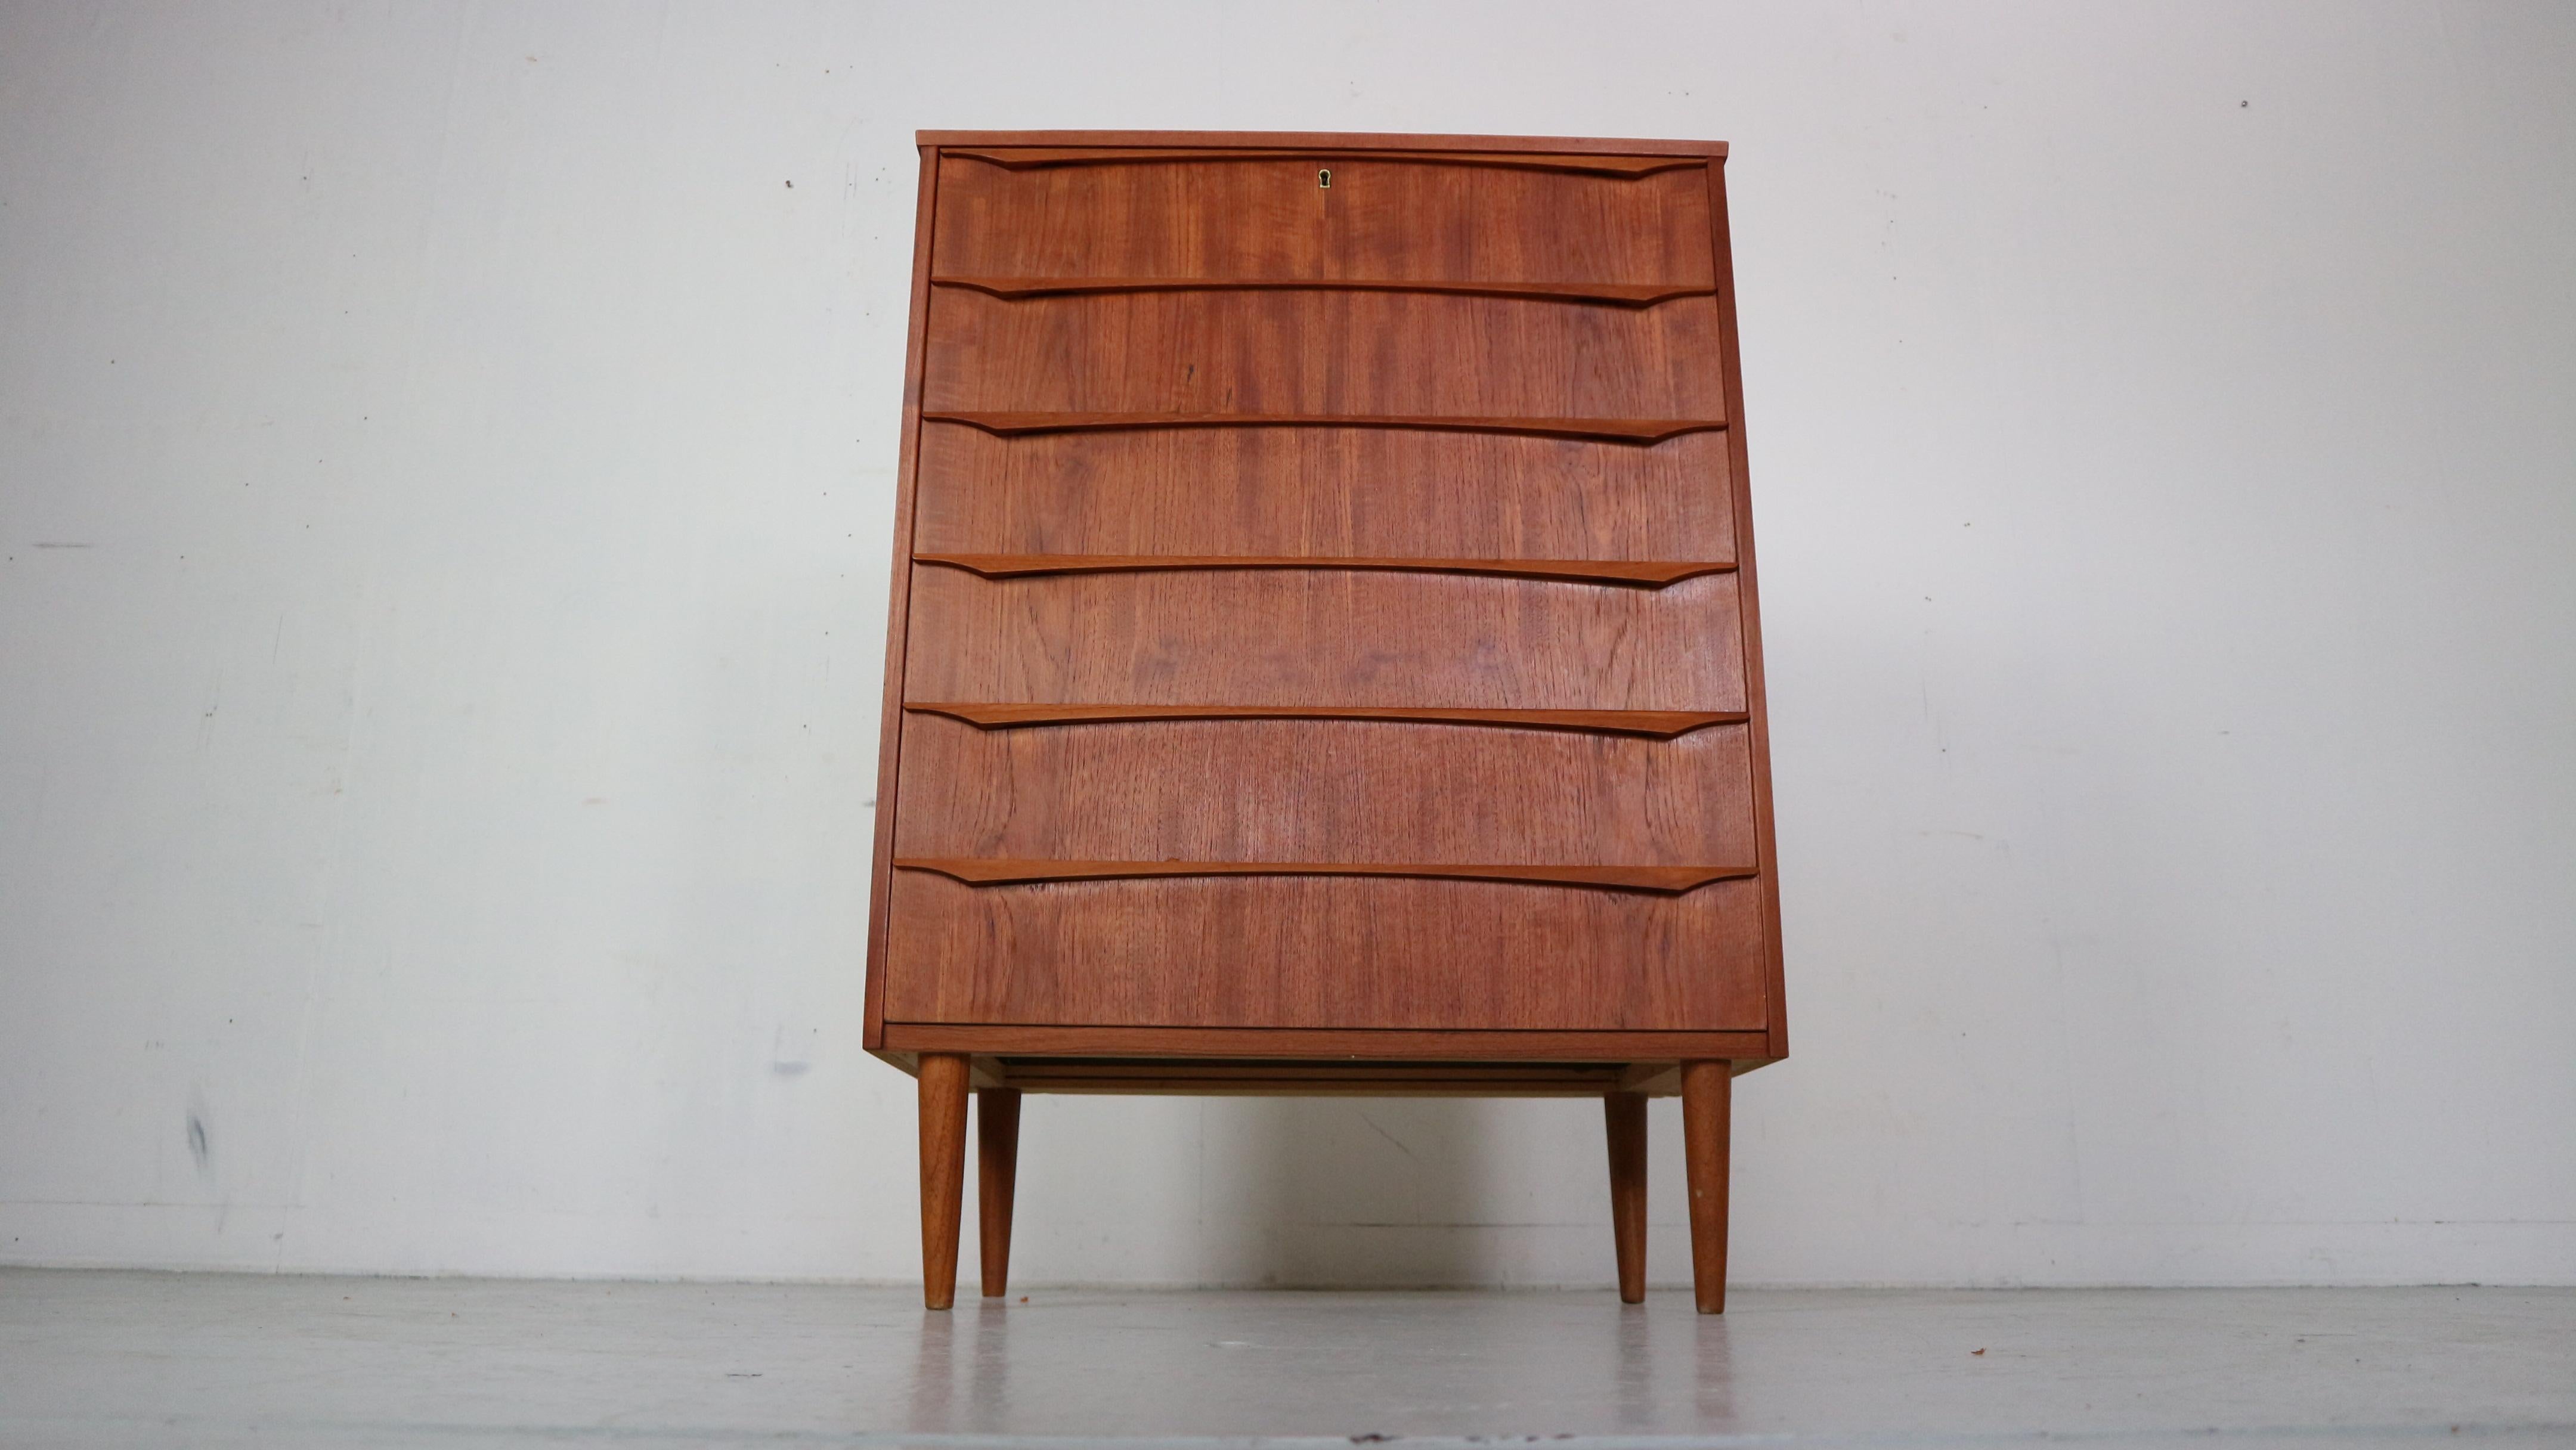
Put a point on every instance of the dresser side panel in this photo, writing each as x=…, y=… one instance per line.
x=898, y=607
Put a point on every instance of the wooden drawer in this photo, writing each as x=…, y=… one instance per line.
x=1321, y=354
x=1103, y=215
x=1325, y=951
x=1324, y=790
x=1324, y=638
x=1322, y=493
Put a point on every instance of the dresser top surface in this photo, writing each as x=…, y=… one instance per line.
x=1332, y=140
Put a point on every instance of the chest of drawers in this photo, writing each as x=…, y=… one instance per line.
x=1323, y=652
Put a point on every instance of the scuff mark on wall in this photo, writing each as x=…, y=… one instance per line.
x=206, y=719
x=199, y=1147
x=795, y=1059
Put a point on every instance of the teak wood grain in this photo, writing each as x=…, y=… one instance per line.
x=1708, y=1090
x=997, y=1171
x=1324, y=654
x=1127, y=358
x=1739, y=476
x=1326, y=789
x=1624, y=1124
x=1351, y=493
x=1292, y=637
x=1326, y=951
x=1268, y=218
x=898, y=610
x=942, y=1090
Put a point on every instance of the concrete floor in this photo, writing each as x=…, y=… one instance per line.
x=113, y=1358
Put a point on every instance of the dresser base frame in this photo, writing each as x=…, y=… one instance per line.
x=1016, y=1060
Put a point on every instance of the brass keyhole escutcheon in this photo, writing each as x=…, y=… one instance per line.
x=1324, y=178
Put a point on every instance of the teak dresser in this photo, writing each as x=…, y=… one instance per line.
x=1323, y=654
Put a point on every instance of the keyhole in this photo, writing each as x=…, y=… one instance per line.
x=1324, y=178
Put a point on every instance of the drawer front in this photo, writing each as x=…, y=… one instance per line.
x=1324, y=638
x=1321, y=354
x=1255, y=218
x=1325, y=951
x=1324, y=790
x=1322, y=493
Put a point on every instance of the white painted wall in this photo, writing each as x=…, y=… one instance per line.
x=445, y=475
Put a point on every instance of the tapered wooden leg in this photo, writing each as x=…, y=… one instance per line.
x=943, y=1172
x=1625, y=1115
x=1707, y=1088
x=997, y=1160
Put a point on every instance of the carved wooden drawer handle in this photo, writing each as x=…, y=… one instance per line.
x=1653, y=572
x=1625, y=294
x=1662, y=724
x=980, y=871
x=1607, y=430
